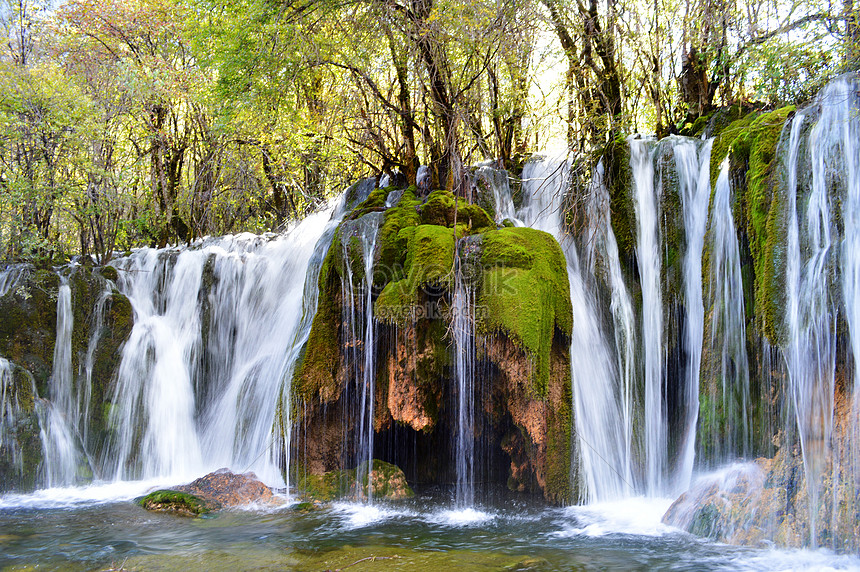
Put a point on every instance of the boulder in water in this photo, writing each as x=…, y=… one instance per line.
x=221, y=489
x=230, y=490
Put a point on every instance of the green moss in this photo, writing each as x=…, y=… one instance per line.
x=388, y=482
x=316, y=376
x=751, y=143
x=616, y=157
x=428, y=263
x=393, y=241
x=374, y=203
x=441, y=207
x=559, y=484
x=525, y=293
x=182, y=504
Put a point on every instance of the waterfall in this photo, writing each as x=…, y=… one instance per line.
x=498, y=182
x=58, y=416
x=727, y=340
x=358, y=239
x=821, y=163
x=648, y=254
x=463, y=309
x=601, y=397
x=217, y=329
x=605, y=414
x=693, y=167
x=10, y=414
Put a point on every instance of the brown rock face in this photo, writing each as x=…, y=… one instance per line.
x=533, y=466
x=226, y=489
x=407, y=400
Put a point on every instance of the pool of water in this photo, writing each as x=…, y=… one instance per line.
x=100, y=528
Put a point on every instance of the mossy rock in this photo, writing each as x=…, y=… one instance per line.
x=21, y=446
x=441, y=208
x=175, y=502
x=751, y=145
x=393, y=241
x=387, y=482
x=619, y=182
x=525, y=293
x=428, y=268
x=316, y=376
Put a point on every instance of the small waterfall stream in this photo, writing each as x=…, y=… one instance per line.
x=727, y=340
x=58, y=416
x=358, y=239
x=463, y=309
x=648, y=254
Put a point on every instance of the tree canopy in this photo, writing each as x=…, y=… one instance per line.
x=159, y=121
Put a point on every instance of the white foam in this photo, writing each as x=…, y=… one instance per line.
x=784, y=560
x=357, y=515
x=99, y=493
x=461, y=517
x=640, y=516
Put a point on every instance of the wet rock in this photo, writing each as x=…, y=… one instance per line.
x=387, y=481
x=174, y=502
x=225, y=489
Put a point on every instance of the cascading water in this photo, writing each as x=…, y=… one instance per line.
x=693, y=168
x=821, y=163
x=727, y=341
x=463, y=309
x=358, y=239
x=606, y=415
x=10, y=413
x=181, y=407
x=498, y=182
x=601, y=397
x=691, y=162
x=58, y=417
x=648, y=254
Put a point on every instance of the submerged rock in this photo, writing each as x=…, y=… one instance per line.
x=771, y=500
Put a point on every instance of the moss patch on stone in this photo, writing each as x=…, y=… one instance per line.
x=316, y=376
x=387, y=481
x=428, y=264
x=525, y=293
x=751, y=144
x=441, y=208
x=174, y=502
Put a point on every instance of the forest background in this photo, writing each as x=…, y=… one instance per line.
x=148, y=122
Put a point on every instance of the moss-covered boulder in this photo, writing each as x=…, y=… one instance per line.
x=525, y=294
x=518, y=278
x=387, y=482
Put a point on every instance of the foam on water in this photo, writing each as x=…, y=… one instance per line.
x=360, y=515
x=795, y=561
x=463, y=517
x=70, y=497
x=639, y=516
